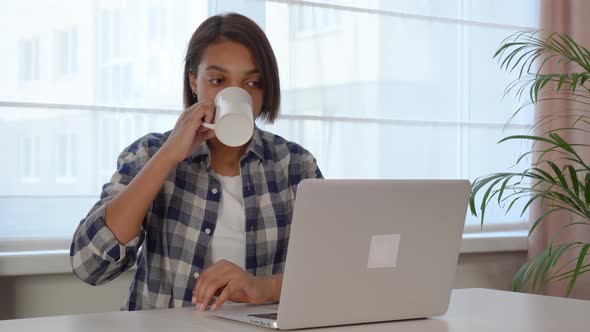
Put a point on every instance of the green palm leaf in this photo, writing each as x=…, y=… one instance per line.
x=562, y=182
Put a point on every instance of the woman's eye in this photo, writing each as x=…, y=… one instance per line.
x=255, y=84
x=215, y=81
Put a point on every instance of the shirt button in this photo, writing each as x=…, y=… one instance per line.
x=214, y=191
x=196, y=275
x=207, y=231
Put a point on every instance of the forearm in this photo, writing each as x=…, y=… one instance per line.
x=126, y=212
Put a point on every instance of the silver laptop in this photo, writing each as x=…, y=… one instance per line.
x=365, y=251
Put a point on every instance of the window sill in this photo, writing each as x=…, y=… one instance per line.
x=501, y=241
x=34, y=262
x=58, y=261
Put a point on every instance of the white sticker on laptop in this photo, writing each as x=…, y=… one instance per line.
x=383, y=251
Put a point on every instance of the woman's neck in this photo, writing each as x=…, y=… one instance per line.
x=225, y=160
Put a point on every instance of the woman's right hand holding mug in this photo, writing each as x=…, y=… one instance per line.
x=189, y=133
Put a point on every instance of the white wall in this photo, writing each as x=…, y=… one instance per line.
x=62, y=294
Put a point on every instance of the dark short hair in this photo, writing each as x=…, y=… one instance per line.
x=240, y=29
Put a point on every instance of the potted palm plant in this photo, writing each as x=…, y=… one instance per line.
x=551, y=67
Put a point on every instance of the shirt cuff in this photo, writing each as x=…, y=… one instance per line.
x=103, y=242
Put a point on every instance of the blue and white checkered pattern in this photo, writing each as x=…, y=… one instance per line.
x=171, y=246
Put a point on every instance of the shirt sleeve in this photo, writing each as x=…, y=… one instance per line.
x=303, y=165
x=95, y=254
x=312, y=171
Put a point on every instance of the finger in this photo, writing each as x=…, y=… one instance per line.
x=194, y=106
x=202, y=282
x=205, y=134
x=195, y=292
x=199, y=121
x=196, y=117
x=218, y=269
x=224, y=296
x=202, y=136
x=209, y=111
x=202, y=129
x=190, y=110
x=193, y=125
x=205, y=115
x=209, y=290
x=183, y=116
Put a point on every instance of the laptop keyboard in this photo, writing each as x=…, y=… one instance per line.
x=272, y=316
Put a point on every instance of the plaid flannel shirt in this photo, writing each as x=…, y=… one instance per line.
x=170, y=248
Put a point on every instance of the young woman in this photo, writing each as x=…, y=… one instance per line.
x=199, y=218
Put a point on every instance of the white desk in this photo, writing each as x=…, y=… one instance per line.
x=470, y=310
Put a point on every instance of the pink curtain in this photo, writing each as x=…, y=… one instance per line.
x=572, y=18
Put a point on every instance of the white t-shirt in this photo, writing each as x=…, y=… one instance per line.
x=229, y=239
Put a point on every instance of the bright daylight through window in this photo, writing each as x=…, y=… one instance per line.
x=374, y=89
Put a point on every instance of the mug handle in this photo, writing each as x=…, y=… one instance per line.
x=208, y=125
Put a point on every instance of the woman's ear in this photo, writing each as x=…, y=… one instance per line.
x=192, y=78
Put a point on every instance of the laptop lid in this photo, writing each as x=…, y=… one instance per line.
x=371, y=250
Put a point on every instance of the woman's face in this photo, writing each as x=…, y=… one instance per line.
x=226, y=63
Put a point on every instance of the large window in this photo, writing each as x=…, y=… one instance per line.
x=374, y=89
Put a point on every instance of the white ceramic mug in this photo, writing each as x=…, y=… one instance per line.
x=234, y=121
